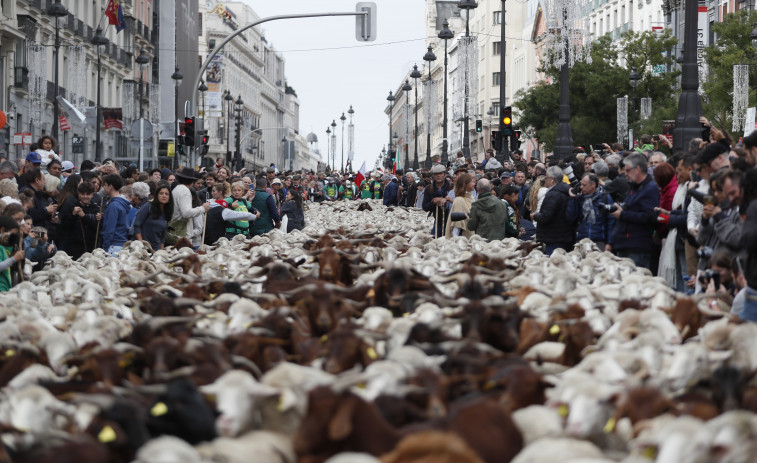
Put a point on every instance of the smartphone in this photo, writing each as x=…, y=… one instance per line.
x=709, y=199
x=598, y=147
x=738, y=265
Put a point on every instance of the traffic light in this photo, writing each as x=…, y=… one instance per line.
x=479, y=125
x=515, y=138
x=496, y=141
x=507, y=121
x=189, y=132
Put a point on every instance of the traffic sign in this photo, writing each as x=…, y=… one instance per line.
x=141, y=129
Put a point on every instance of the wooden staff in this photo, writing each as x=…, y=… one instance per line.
x=436, y=223
x=97, y=230
x=22, y=261
x=204, y=226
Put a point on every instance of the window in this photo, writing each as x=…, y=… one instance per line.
x=497, y=17
x=495, y=107
x=497, y=48
x=496, y=79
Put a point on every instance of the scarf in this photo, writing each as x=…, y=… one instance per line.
x=588, y=206
x=667, y=268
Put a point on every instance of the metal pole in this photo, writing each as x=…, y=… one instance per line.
x=228, y=133
x=98, y=152
x=428, y=123
x=564, y=142
x=55, y=95
x=466, y=135
x=141, y=126
x=504, y=152
x=689, y=103
x=175, y=125
x=633, y=119
x=342, y=168
x=445, y=146
x=415, y=134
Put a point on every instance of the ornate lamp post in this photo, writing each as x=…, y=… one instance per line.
x=351, y=135
x=429, y=57
x=396, y=138
x=333, y=144
x=238, y=107
x=445, y=34
x=390, y=99
x=228, y=99
x=142, y=61
x=56, y=10
x=415, y=75
x=406, y=88
x=177, y=77
x=328, y=144
x=99, y=41
x=467, y=6
x=633, y=78
x=343, y=118
x=203, y=88
x=689, y=103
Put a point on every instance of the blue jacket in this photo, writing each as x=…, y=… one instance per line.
x=152, y=230
x=601, y=229
x=390, y=193
x=115, y=230
x=638, y=221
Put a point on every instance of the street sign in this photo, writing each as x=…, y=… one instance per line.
x=171, y=149
x=141, y=129
x=365, y=25
x=77, y=145
x=22, y=138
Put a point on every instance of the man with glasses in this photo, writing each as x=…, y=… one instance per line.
x=636, y=218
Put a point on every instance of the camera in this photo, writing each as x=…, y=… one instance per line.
x=704, y=252
x=610, y=208
x=705, y=132
x=458, y=216
x=704, y=278
x=701, y=197
x=574, y=183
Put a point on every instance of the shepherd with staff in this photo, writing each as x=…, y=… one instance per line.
x=435, y=199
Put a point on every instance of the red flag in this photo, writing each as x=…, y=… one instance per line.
x=360, y=176
x=115, y=15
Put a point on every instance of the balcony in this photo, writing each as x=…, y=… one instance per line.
x=21, y=77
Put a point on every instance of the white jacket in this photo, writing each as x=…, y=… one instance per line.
x=182, y=208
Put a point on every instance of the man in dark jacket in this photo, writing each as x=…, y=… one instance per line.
x=435, y=199
x=637, y=218
x=749, y=242
x=589, y=211
x=488, y=214
x=391, y=191
x=43, y=208
x=265, y=204
x=552, y=226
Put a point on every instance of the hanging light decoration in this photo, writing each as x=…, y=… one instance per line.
x=740, y=96
x=622, y=119
x=645, y=108
x=77, y=75
x=567, y=36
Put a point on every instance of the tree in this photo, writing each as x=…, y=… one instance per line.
x=595, y=87
x=733, y=46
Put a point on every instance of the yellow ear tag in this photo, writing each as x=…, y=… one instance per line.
x=554, y=330
x=610, y=426
x=212, y=295
x=324, y=338
x=280, y=404
x=371, y=353
x=107, y=434
x=159, y=409
x=406, y=314
x=563, y=411
x=10, y=353
x=370, y=294
x=649, y=452
x=489, y=385
x=361, y=385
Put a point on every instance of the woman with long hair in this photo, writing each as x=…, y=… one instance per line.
x=292, y=209
x=151, y=223
x=464, y=186
x=67, y=200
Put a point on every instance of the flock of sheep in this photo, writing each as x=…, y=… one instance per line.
x=363, y=339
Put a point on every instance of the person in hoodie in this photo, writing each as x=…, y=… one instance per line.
x=115, y=227
x=637, y=217
x=221, y=216
x=488, y=214
x=552, y=225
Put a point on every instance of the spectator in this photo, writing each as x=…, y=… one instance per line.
x=292, y=209
x=553, y=228
x=314, y=192
x=645, y=144
x=115, y=230
x=491, y=163
x=664, y=176
x=66, y=202
x=618, y=186
x=391, y=191
x=590, y=211
x=47, y=147
x=10, y=252
x=38, y=247
x=749, y=244
x=721, y=220
x=512, y=224
x=464, y=186
x=79, y=217
x=523, y=189
x=600, y=168
x=347, y=190
x=637, y=218
x=240, y=201
x=33, y=161
x=487, y=214
x=43, y=209
x=151, y=221
x=673, y=260
x=220, y=216
x=181, y=225
x=141, y=194
x=434, y=199
x=8, y=170
x=377, y=188
x=156, y=175
x=263, y=202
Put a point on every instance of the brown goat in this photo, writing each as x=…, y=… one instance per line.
x=432, y=447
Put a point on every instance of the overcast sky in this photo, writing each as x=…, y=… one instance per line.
x=330, y=70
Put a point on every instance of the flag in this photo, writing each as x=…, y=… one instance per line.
x=360, y=176
x=115, y=15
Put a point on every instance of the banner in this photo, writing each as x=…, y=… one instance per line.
x=214, y=95
x=113, y=118
x=63, y=123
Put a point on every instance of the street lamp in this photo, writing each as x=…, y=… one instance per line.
x=228, y=99
x=56, y=10
x=390, y=99
x=429, y=57
x=490, y=113
x=177, y=77
x=467, y=6
x=689, y=103
x=445, y=34
x=202, y=89
x=351, y=135
x=333, y=144
x=238, y=107
x=406, y=88
x=142, y=61
x=328, y=144
x=415, y=75
x=753, y=36
x=99, y=41
x=343, y=118
x=633, y=78
x=396, y=140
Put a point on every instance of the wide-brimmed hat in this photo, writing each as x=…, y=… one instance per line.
x=186, y=173
x=276, y=181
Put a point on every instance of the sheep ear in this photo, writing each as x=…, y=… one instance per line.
x=341, y=423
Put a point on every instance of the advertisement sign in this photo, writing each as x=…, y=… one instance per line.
x=113, y=118
x=214, y=95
